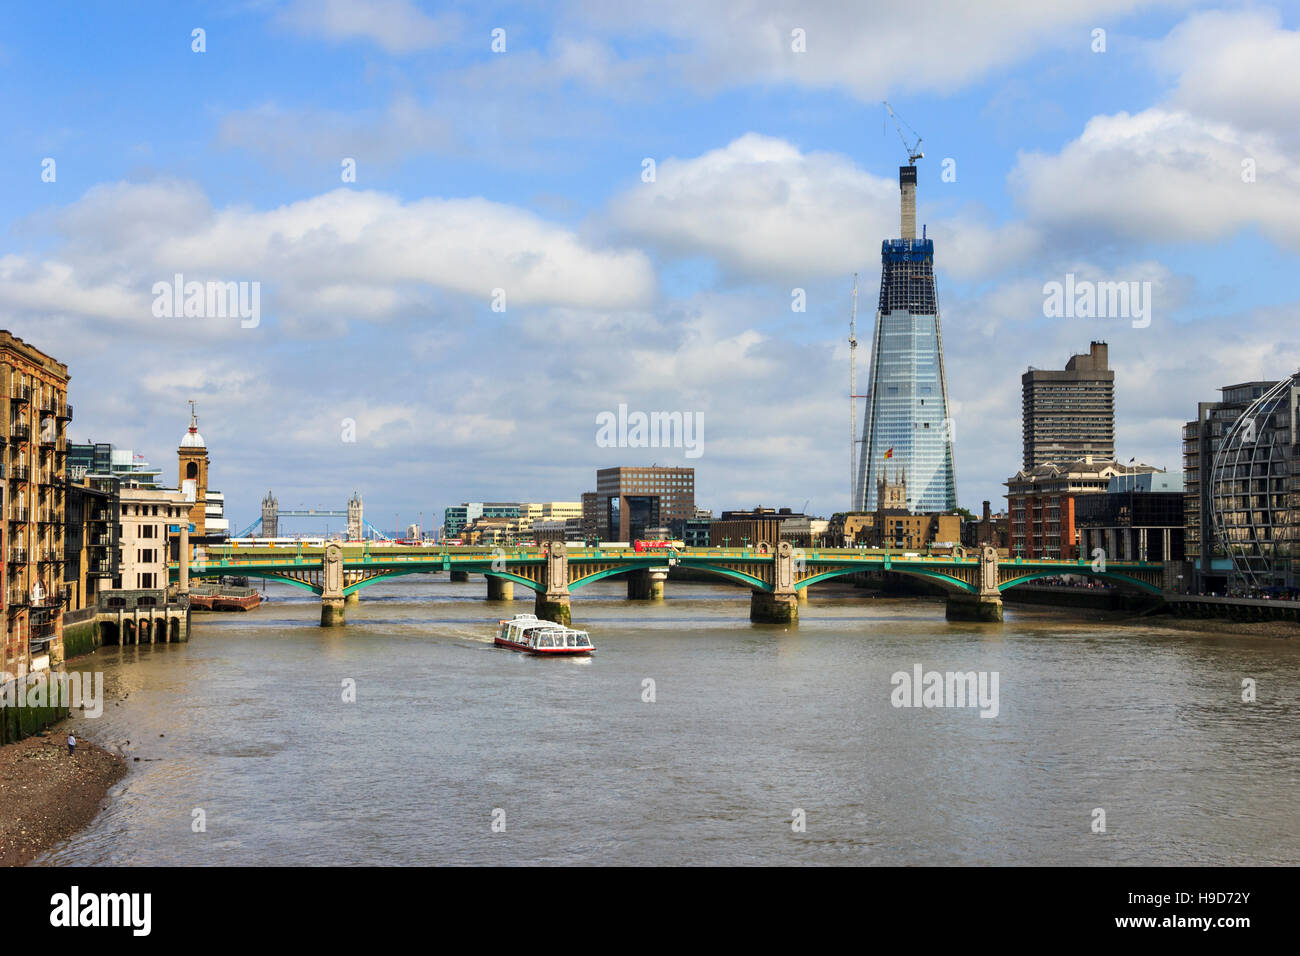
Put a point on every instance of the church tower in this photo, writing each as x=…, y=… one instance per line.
x=891, y=495
x=193, y=481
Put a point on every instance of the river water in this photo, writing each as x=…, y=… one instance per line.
x=748, y=725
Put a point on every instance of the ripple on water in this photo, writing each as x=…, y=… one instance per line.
x=747, y=725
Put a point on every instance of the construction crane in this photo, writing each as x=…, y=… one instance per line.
x=914, y=150
x=853, y=396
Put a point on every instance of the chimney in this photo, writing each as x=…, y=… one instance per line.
x=907, y=185
x=987, y=513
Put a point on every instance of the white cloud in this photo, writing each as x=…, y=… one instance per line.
x=1239, y=67
x=866, y=49
x=399, y=26
x=344, y=252
x=762, y=208
x=1162, y=175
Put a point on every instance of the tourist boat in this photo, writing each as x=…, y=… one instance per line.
x=525, y=632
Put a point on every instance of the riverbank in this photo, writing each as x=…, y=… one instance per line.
x=1219, y=627
x=46, y=796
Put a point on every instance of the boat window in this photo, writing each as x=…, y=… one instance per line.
x=583, y=640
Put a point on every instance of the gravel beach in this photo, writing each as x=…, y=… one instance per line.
x=46, y=795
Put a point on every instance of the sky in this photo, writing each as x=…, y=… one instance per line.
x=474, y=228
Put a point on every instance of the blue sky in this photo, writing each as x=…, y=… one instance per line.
x=521, y=170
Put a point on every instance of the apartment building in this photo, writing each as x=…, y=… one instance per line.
x=34, y=386
x=145, y=514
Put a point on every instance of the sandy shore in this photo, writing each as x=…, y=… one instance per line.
x=46, y=796
x=1217, y=627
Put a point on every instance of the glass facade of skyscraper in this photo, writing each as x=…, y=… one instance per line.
x=907, y=426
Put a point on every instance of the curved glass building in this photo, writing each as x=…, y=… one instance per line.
x=1254, y=488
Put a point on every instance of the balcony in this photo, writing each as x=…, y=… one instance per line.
x=21, y=393
x=51, y=555
x=20, y=432
x=16, y=597
x=17, y=555
x=100, y=568
x=17, y=513
x=64, y=413
x=100, y=540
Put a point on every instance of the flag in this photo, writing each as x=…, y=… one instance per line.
x=890, y=453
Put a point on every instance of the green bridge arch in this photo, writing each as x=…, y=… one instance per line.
x=1084, y=571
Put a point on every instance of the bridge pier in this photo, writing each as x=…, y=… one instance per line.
x=766, y=607
x=974, y=607
x=984, y=604
x=331, y=598
x=553, y=603
x=647, y=584
x=499, y=589
x=331, y=612
x=781, y=604
x=353, y=598
x=459, y=576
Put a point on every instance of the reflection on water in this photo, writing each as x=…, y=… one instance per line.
x=248, y=723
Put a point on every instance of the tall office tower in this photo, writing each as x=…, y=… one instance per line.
x=1069, y=415
x=907, y=421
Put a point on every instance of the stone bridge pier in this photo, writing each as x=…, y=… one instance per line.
x=984, y=605
x=553, y=601
x=331, y=597
x=500, y=589
x=781, y=604
x=647, y=584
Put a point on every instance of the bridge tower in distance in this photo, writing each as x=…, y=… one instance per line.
x=354, y=517
x=270, y=516
x=193, y=480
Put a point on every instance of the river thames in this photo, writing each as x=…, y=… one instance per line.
x=749, y=724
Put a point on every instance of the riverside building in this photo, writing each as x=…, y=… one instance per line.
x=34, y=386
x=1241, y=465
x=1069, y=415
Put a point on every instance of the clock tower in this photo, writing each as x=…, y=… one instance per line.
x=193, y=480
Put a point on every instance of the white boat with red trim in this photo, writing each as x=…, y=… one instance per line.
x=525, y=632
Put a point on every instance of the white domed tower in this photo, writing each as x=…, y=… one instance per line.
x=193, y=480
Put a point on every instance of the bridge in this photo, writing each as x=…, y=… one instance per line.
x=269, y=522
x=778, y=577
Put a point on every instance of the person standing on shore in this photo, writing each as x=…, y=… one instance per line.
x=72, y=744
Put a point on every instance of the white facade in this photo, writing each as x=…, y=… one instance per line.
x=142, y=536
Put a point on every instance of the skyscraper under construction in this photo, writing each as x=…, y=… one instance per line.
x=907, y=420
